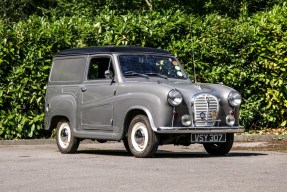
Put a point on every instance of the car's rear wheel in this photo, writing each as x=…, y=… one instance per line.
x=66, y=141
x=142, y=140
x=220, y=148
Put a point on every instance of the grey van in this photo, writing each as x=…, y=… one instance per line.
x=139, y=95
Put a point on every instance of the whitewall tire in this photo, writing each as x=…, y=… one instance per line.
x=142, y=140
x=66, y=142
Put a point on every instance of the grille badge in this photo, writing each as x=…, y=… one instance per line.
x=213, y=115
x=202, y=115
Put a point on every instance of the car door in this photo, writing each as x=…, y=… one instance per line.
x=97, y=95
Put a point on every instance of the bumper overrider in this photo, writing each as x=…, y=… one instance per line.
x=197, y=130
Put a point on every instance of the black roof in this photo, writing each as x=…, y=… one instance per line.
x=111, y=49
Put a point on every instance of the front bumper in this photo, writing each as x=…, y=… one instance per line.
x=196, y=130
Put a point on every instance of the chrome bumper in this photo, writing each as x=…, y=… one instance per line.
x=235, y=129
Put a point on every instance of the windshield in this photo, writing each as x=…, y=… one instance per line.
x=151, y=65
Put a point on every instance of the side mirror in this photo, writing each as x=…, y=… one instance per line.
x=109, y=74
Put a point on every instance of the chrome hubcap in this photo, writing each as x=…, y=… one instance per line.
x=139, y=137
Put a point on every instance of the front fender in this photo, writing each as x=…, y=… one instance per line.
x=157, y=109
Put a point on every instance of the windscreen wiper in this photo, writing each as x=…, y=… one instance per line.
x=156, y=74
x=132, y=73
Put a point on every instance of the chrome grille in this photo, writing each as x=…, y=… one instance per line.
x=204, y=106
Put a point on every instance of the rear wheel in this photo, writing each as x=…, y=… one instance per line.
x=66, y=141
x=142, y=140
x=220, y=148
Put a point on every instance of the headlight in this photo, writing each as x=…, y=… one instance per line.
x=174, y=98
x=234, y=98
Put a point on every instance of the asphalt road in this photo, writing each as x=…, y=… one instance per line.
x=108, y=167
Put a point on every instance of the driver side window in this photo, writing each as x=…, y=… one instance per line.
x=98, y=66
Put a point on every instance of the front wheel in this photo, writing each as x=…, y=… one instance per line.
x=142, y=140
x=126, y=144
x=66, y=141
x=220, y=148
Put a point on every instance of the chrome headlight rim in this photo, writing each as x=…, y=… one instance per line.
x=234, y=99
x=174, y=98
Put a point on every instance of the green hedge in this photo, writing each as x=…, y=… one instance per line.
x=15, y=10
x=248, y=53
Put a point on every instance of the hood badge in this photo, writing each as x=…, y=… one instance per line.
x=198, y=86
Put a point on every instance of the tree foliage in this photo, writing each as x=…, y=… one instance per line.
x=246, y=51
x=15, y=10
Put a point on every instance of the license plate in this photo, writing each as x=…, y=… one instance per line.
x=208, y=138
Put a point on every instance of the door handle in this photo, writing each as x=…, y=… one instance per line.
x=83, y=89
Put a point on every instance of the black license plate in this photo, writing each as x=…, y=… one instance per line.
x=208, y=138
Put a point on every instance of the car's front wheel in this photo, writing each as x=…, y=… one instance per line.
x=142, y=140
x=126, y=144
x=66, y=141
x=220, y=148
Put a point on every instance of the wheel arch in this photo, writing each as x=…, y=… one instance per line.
x=134, y=112
x=56, y=119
